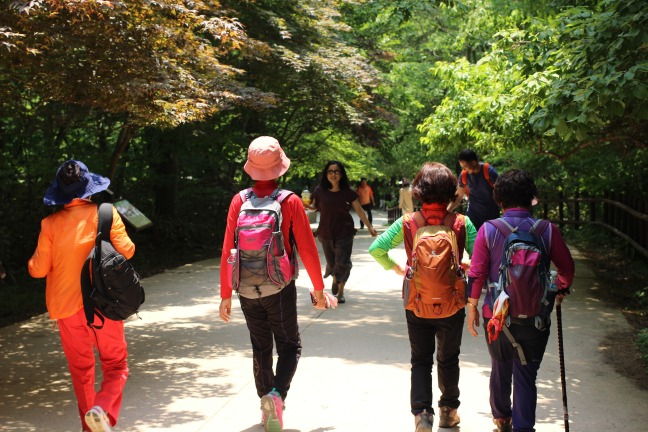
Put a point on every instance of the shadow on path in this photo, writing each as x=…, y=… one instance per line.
x=191, y=372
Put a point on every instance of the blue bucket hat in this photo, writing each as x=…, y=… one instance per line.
x=89, y=184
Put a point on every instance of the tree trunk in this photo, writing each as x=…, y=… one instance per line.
x=123, y=141
x=165, y=164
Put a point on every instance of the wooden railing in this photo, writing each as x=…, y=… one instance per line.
x=625, y=217
x=393, y=213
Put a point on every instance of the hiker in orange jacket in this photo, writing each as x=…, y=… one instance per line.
x=366, y=199
x=65, y=241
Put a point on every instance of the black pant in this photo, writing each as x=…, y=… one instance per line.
x=423, y=334
x=275, y=315
x=367, y=209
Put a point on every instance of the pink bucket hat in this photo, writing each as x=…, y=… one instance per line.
x=266, y=160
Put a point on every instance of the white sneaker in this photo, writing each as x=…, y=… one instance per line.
x=97, y=420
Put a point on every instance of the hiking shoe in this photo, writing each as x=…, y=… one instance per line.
x=272, y=409
x=423, y=421
x=448, y=417
x=503, y=424
x=97, y=420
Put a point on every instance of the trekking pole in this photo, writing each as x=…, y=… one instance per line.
x=561, y=354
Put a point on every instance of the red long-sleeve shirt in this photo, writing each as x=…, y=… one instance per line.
x=292, y=211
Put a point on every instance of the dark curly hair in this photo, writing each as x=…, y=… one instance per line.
x=434, y=183
x=344, y=180
x=515, y=188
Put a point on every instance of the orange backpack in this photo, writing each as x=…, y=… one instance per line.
x=464, y=177
x=434, y=285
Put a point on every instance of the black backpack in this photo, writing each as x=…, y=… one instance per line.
x=110, y=285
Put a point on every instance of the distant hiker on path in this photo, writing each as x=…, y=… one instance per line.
x=269, y=308
x=514, y=191
x=65, y=241
x=405, y=202
x=433, y=291
x=476, y=182
x=333, y=199
x=366, y=199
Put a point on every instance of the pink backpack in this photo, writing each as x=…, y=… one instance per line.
x=260, y=264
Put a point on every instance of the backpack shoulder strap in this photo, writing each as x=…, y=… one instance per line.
x=539, y=228
x=104, y=225
x=246, y=194
x=418, y=221
x=414, y=221
x=487, y=174
x=458, y=221
x=464, y=181
x=504, y=227
x=449, y=219
x=410, y=219
x=105, y=221
x=282, y=194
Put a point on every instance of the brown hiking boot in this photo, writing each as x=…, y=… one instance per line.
x=448, y=417
x=340, y=293
x=423, y=421
x=503, y=424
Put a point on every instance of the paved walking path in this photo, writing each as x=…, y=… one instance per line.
x=191, y=372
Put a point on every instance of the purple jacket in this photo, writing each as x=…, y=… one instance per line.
x=488, y=248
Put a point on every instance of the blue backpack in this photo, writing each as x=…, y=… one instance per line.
x=524, y=274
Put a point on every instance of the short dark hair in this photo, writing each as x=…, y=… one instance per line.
x=515, y=188
x=468, y=155
x=344, y=181
x=434, y=183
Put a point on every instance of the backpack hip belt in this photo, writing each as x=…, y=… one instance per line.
x=536, y=321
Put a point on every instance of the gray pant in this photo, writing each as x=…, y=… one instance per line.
x=338, y=257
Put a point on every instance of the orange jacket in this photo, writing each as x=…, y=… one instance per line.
x=365, y=195
x=65, y=240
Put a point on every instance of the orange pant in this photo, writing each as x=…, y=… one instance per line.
x=79, y=341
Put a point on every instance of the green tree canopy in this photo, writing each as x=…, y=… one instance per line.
x=572, y=86
x=160, y=62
